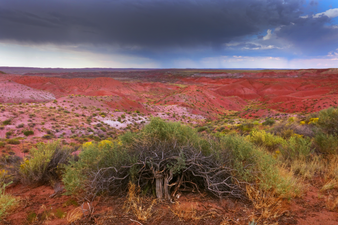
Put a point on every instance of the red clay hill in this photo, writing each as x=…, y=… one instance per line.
x=205, y=92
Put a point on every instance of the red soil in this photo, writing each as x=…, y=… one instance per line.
x=285, y=91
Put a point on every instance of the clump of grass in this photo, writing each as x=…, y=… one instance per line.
x=269, y=122
x=326, y=143
x=32, y=217
x=59, y=213
x=45, y=163
x=74, y=215
x=71, y=202
x=297, y=147
x=328, y=120
x=269, y=206
x=135, y=204
x=28, y=132
x=267, y=140
x=7, y=122
x=186, y=214
x=307, y=168
x=13, y=141
x=7, y=202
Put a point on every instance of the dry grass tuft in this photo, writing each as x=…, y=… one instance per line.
x=331, y=184
x=185, y=213
x=191, y=213
x=74, y=215
x=267, y=206
x=331, y=202
x=135, y=204
x=306, y=169
x=332, y=168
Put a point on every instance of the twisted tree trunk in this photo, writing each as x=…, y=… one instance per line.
x=159, y=185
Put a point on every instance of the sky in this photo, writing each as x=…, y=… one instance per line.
x=169, y=33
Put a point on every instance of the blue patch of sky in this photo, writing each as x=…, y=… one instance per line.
x=321, y=6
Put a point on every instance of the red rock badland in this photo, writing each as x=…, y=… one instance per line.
x=202, y=92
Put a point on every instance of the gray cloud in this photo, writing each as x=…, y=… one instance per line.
x=145, y=24
x=311, y=36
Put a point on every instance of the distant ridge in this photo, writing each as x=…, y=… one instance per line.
x=25, y=70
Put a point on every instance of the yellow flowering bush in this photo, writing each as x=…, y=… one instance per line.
x=105, y=143
x=24, y=164
x=302, y=122
x=313, y=120
x=291, y=119
x=87, y=144
x=298, y=135
x=3, y=176
x=276, y=154
x=119, y=143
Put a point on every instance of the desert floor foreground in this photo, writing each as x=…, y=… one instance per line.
x=78, y=107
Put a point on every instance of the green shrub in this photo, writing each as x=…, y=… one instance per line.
x=93, y=157
x=251, y=164
x=326, y=143
x=13, y=141
x=269, y=122
x=45, y=163
x=245, y=128
x=296, y=147
x=168, y=149
x=6, y=122
x=103, y=114
x=21, y=125
x=200, y=129
x=267, y=140
x=28, y=132
x=328, y=120
x=291, y=128
x=47, y=136
x=60, y=213
x=255, y=122
x=286, y=133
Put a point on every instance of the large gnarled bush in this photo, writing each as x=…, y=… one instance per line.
x=165, y=157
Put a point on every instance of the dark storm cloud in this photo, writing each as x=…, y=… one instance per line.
x=146, y=24
x=314, y=36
